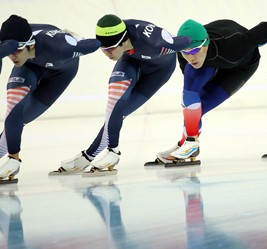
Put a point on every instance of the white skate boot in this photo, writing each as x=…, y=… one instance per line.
x=9, y=169
x=77, y=164
x=186, y=154
x=164, y=157
x=103, y=164
x=190, y=149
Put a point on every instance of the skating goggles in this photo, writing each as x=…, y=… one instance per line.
x=22, y=45
x=194, y=50
x=114, y=46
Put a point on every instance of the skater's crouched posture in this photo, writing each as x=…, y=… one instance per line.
x=146, y=59
x=222, y=57
x=46, y=61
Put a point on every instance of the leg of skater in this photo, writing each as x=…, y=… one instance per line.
x=144, y=89
x=214, y=93
x=26, y=103
x=194, y=81
x=106, y=142
x=125, y=96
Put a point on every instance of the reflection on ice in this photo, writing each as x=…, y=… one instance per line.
x=11, y=225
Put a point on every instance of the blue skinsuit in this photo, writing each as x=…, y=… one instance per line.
x=136, y=77
x=36, y=85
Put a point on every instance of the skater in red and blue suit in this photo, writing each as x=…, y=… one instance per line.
x=146, y=59
x=45, y=62
x=221, y=58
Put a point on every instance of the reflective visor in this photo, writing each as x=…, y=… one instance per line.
x=194, y=50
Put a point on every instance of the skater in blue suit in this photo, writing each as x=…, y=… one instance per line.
x=45, y=62
x=145, y=56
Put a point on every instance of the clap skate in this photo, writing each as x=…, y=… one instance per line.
x=9, y=180
x=75, y=165
x=163, y=157
x=186, y=154
x=179, y=162
x=95, y=172
x=8, y=171
x=104, y=163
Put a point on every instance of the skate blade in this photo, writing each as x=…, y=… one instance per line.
x=183, y=163
x=9, y=181
x=58, y=173
x=96, y=173
x=62, y=171
x=264, y=156
x=157, y=162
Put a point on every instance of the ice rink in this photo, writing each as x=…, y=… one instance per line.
x=221, y=204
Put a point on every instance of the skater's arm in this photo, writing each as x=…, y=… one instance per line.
x=73, y=48
x=8, y=47
x=65, y=46
x=160, y=42
x=259, y=33
x=84, y=46
x=174, y=43
x=241, y=44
